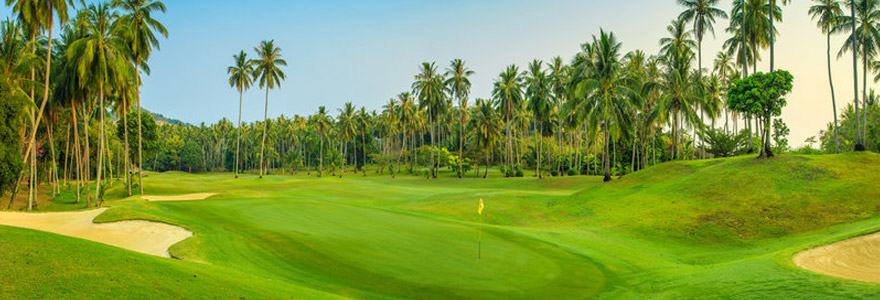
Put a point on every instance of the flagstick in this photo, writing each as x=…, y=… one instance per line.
x=480, y=239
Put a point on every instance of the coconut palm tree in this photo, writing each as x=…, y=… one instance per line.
x=431, y=91
x=487, y=128
x=702, y=14
x=240, y=78
x=606, y=91
x=267, y=70
x=459, y=86
x=364, y=122
x=508, y=93
x=101, y=60
x=322, y=128
x=827, y=14
x=776, y=15
x=559, y=81
x=347, y=129
x=406, y=114
x=38, y=16
x=143, y=29
x=538, y=93
x=863, y=39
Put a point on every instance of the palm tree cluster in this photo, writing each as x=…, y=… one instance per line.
x=603, y=112
x=89, y=77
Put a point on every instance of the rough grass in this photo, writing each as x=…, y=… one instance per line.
x=685, y=230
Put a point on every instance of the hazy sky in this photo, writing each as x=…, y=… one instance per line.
x=368, y=51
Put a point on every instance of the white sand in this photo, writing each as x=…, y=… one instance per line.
x=857, y=258
x=188, y=197
x=142, y=236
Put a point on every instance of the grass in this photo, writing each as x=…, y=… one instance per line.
x=721, y=229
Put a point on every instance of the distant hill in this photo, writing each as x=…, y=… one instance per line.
x=161, y=119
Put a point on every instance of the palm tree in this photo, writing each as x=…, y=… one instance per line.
x=406, y=114
x=347, y=127
x=863, y=39
x=538, y=90
x=702, y=14
x=459, y=86
x=827, y=15
x=776, y=14
x=240, y=78
x=559, y=78
x=39, y=15
x=431, y=90
x=322, y=127
x=607, y=93
x=508, y=93
x=141, y=43
x=724, y=68
x=100, y=59
x=487, y=127
x=363, y=119
x=268, y=71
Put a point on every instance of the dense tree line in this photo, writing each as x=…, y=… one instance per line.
x=72, y=115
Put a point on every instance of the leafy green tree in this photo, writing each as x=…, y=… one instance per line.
x=12, y=106
x=762, y=96
x=148, y=128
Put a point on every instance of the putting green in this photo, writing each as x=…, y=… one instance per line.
x=380, y=252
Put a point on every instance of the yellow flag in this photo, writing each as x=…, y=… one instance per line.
x=480, y=210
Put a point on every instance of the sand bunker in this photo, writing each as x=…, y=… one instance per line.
x=142, y=236
x=857, y=258
x=188, y=197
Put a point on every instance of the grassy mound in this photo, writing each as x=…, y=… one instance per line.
x=739, y=199
x=682, y=230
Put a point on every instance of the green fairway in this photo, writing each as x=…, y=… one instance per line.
x=698, y=229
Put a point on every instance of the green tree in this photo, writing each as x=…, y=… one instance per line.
x=762, y=95
x=268, y=72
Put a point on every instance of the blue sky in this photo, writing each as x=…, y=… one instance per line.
x=368, y=51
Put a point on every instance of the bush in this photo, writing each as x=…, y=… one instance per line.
x=519, y=171
x=725, y=145
x=571, y=172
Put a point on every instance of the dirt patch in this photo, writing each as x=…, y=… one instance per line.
x=857, y=258
x=187, y=197
x=142, y=236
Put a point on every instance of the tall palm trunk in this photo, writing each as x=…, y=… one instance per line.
x=125, y=132
x=265, y=128
x=431, y=118
x=98, y=194
x=321, y=160
x=833, y=100
x=140, y=166
x=772, y=42
x=77, y=152
x=238, y=138
x=859, y=146
x=607, y=177
x=460, y=141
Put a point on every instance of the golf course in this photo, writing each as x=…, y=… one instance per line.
x=455, y=149
x=647, y=235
